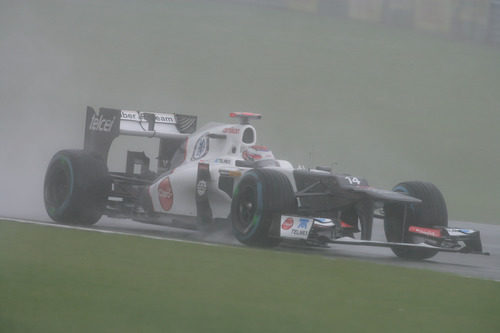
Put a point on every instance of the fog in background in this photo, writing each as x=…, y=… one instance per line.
x=389, y=104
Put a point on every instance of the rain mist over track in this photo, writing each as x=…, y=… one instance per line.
x=386, y=104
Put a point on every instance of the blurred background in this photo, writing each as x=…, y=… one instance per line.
x=390, y=90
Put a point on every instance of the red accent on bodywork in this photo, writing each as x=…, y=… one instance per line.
x=345, y=225
x=245, y=114
x=231, y=130
x=203, y=166
x=165, y=194
x=426, y=231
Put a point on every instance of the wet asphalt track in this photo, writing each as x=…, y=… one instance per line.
x=477, y=266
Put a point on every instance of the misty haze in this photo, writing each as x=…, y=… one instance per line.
x=389, y=104
x=383, y=90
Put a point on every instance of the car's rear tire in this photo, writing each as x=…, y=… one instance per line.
x=76, y=187
x=259, y=196
x=431, y=212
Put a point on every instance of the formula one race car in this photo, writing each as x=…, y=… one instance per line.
x=218, y=174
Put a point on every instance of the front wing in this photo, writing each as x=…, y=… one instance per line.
x=321, y=231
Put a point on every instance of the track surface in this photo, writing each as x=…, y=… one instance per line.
x=478, y=266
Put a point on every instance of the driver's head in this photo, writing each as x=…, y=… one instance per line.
x=257, y=153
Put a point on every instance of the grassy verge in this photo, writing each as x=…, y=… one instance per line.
x=58, y=280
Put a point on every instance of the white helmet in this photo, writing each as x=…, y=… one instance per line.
x=257, y=153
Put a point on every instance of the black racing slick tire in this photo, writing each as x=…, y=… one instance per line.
x=431, y=212
x=76, y=187
x=259, y=196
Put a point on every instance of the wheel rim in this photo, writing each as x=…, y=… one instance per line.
x=247, y=206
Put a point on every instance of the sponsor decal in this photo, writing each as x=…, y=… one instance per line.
x=222, y=161
x=287, y=224
x=425, y=231
x=101, y=124
x=130, y=115
x=459, y=232
x=303, y=223
x=200, y=148
x=295, y=227
x=201, y=187
x=165, y=194
x=164, y=118
x=161, y=118
x=231, y=130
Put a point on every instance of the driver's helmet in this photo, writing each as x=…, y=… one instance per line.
x=257, y=153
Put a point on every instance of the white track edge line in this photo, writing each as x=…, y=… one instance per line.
x=104, y=231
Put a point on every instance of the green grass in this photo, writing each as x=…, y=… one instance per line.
x=59, y=280
x=387, y=104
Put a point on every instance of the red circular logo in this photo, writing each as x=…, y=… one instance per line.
x=287, y=224
x=165, y=194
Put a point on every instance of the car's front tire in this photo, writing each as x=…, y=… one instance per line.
x=430, y=213
x=260, y=195
x=76, y=187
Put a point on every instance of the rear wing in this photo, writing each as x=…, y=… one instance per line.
x=103, y=127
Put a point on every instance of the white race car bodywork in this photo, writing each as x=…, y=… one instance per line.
x=219, y=146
